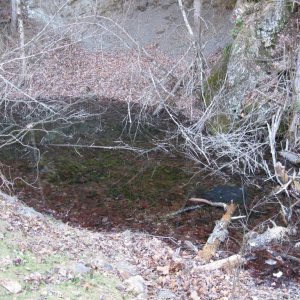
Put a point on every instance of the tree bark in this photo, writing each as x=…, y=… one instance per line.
x=20, y=23
x=197, y=20
x=294, y=126
x=14, y=15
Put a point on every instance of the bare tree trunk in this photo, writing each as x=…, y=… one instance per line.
x=195, y=34
x=198, y=41
x=22, y=37
x=197, y=20
x=14, y=15
x=294, y=126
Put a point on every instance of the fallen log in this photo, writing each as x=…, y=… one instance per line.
x=233, y=261
x=218, y=235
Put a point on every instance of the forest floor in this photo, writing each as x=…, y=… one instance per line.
x=42, y=258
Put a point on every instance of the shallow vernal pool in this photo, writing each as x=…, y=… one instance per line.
x=111, y=189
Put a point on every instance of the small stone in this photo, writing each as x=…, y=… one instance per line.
x=107, y=267
x=165, y=294
x=194, y=296
x=82, y=268
x=5, y=261
x=136, y=285
x=120, y=287
x=270, y=262
x=44, y=293
x=125, y=269
x=98, y=262
x=12, y=286
x=124, y=274
x=35, y=276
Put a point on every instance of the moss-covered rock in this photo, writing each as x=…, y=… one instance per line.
x=248, y=64
x=273, y=19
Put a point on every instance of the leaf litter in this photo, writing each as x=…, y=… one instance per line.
x=42, y=258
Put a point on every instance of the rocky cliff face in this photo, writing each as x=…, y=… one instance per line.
x=90, y=7
x=257, y=25
x=5, y=11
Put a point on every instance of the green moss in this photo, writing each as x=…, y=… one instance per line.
x=74, y=171
x=150, y=184
x=219, y=124
x=90, y=287
x=230, y=4
x=84, y=286
x=284, y=125
x=217, y=76
x=215, y=81
x=237, y=27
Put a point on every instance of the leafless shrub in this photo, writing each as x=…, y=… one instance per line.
x=216, y=140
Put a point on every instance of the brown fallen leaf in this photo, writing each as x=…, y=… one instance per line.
x=12, y=286
x=176, y=267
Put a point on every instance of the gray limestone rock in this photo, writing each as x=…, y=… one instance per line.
x=259, y=23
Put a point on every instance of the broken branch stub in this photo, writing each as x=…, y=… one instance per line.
x=218, y=235
x=281, y=173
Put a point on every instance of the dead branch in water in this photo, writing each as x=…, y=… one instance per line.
x=198, y=200
x=215, y=204
x=183, y=210
x=218, y=235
